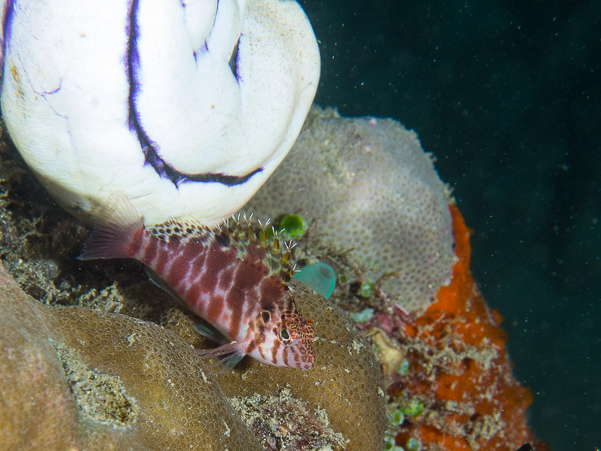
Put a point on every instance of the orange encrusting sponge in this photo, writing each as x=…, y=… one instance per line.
x=461, y=370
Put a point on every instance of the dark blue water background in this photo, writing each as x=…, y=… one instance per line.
x=507, y=95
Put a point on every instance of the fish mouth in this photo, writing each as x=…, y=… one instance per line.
x=308, y=364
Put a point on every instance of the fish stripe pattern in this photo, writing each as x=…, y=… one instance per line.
x=230, y=276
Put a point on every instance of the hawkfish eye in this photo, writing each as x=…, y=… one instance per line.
x=286, y=333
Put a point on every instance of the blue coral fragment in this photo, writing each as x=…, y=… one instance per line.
x=363, y=316
x=319, y=277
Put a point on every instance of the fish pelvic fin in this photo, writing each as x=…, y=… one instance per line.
x=114, y=229
x=229, y=355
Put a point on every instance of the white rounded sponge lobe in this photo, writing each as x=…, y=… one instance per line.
x=187, y=107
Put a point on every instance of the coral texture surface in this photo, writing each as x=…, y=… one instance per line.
x=75, y=377
x=346, y=381
x=369, y=189
x=82, y=377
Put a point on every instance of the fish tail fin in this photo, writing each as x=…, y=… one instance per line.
x=114, y=230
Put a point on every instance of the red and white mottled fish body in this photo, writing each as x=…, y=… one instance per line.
x=227, y=277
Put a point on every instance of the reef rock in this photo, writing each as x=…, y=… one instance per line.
x=72, y=377
x=370, y=190
x=346, y=381
x=38, y=410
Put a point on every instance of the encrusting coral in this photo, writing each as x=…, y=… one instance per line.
x=346, y=381
x=448, y=373
x=370, y=192
x=150, y=390
x=461, y=369
x=38, y=411
x=444, y=358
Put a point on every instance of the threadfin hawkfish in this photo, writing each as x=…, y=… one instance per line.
x=230, y=276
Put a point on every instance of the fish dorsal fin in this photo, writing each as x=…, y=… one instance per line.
x=159, y=282
x=179, y=226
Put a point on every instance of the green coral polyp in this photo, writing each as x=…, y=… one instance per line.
x=404, y=368
x=397, y=417
x=390, y=445
x=363, y=316
x=366, y=289
x=413, y=445
x=413, y=408
x=343, y=279
x=293, y=226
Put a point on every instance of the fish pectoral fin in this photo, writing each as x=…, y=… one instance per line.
x=229, y=354
x=159, y=282
x=208, y=331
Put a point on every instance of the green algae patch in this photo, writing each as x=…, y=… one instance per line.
x=293, y=226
